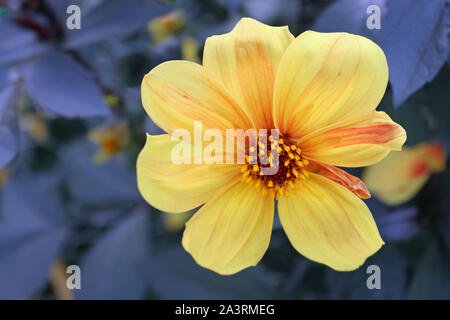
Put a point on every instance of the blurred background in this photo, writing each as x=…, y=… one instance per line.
x=72, y=125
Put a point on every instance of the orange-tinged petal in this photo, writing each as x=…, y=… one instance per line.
x=345, y=179
x=356, y=142
x=326, y=77
x=328, y=224
x=232, y=231
x=401, y=175
x=177, y=188
x=176, y=93
x=433, y=155
x=246, y=60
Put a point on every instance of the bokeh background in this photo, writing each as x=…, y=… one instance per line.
x=72, y=125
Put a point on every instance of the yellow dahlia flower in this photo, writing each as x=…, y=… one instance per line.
x=320, y=91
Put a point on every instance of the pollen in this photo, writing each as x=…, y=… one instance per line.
x=280, y=178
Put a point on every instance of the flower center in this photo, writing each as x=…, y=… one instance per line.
x=287, y=173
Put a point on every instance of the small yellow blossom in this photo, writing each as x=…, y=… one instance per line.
x=166, y=25
x=401, y=175
x=111, y=100
x=36, y=127
x=111, y=139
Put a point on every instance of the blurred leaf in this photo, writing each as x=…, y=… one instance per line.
x=65, y=130
x=4, y=80
x=59, y=7
x=443, y=212
x=438, y=97
x=32, y=232
x=414, y=248
x=232, y=5
x=348, y=16
x=296, y=277
x=270, y=11
x=17, y=44
x=39, y=158
x=169, y=49
x=102, y=218
x=401, y=224
x=108, y=184
x=117, y=265
x=444, y=228
x=59, y=84
x=9, y=134
x=113, y=18
x=120, y=266
x=431, y=277
x=208, y=28
x=132, y=68
x=415, y=51
x=175, y=275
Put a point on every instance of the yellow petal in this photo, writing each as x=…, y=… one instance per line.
x=401, y=175
x=325, y=77
x=326, y=223
x=246, y=60
x=176, y=93
x=356, y=142
x=177, y=188
x=232, y=231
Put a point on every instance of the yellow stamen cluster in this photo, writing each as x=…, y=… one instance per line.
x=291, y=167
